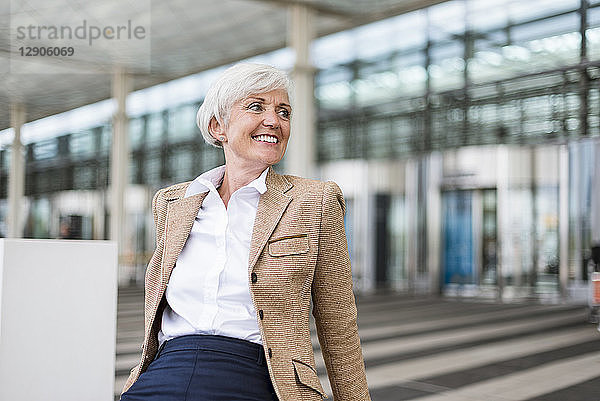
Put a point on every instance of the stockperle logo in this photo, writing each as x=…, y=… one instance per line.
x=92, y=37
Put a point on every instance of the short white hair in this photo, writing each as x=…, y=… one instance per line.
x=237, y=83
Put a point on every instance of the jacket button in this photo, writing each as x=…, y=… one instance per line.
x=270, y=353
x=253, y=277
x=261, y=314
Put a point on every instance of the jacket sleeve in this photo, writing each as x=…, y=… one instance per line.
x=334, y=307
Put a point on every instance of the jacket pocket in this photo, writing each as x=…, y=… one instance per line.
x=290, y=245
x=306, y=375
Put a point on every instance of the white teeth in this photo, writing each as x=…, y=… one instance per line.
x=265, y=138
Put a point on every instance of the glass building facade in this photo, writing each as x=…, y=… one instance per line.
x=465, y=137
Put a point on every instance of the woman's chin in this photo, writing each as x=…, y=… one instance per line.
x=270, y=159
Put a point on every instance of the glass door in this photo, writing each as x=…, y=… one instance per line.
x=458, y=255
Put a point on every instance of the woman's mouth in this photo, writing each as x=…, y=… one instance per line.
x=266, y=138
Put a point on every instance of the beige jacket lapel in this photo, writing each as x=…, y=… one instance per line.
x=271, y=206
x=181, y=214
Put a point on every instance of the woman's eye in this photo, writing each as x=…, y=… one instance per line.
x=284, y=113
x=255, y=107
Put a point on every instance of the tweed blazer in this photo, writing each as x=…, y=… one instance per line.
x=298, y=253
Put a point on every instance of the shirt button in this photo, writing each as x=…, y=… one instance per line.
x=270, y=353
x=261, y=314
x=253, y=277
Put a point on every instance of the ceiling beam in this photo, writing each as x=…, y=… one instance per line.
x=314, y=5
x=402, y=7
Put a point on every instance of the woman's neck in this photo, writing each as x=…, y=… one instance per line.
x=235, y=178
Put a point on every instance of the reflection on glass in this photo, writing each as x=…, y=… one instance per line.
x=547, y=237
x=5, y=158
x=181, y=165
x=447, y=67
x=105, y=138
x=152, y=169
x=397, y=226
x=489, y=241
x=37, y=225
x=593, y=43
x=379, y=139
x=332, y=142
x=155, y=127
x=82, y=144
x=376, y=86
x=182, y=122
x=47, y=149
x=581, y=171
x=211, y=157
x=84, y=177
x=519, y=255
x=136, y=132
x=333, y=90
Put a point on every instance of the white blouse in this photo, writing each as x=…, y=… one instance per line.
x=208, y=290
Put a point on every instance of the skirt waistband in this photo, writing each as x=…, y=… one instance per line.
x=229, y=345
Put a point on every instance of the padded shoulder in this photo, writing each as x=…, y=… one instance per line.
x=175, y=191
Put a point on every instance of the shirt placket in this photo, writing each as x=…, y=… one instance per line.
x=221, y=259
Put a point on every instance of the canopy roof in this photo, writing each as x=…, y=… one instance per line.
x=174, y=38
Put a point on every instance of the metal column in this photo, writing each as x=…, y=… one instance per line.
x=119, y=163
x=434, y=221
x=502, y=220
x=16, y=178
x=300, y=156
x=412, y=226
x=563, y=220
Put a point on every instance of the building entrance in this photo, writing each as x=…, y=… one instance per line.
x=458, y=250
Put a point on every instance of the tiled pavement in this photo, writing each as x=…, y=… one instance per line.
x=441, y=349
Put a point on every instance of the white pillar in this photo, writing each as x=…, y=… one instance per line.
x=300, y=156
x=16, y=177
x=119, y=163
x=595, y=226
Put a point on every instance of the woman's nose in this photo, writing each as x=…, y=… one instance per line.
x=271, y=119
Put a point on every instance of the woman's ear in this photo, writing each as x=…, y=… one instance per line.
x=216, y=130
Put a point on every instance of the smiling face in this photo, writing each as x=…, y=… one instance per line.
x=257, y=132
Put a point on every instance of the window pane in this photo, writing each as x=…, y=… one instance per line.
x=136, y=132
x=332, y=88
x=155, y=127
x=332, y=142
x=182, y=123
x=82, y=144
x=45, y=149
x=447, y=67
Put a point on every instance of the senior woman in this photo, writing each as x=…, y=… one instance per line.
x=240, y=253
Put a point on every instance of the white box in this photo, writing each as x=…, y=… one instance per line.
x=58, y=314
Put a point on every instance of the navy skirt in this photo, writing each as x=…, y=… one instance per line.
x=205, y=368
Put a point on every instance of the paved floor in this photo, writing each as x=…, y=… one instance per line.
x=436, y=349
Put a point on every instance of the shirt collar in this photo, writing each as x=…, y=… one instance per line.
x=212, y=179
